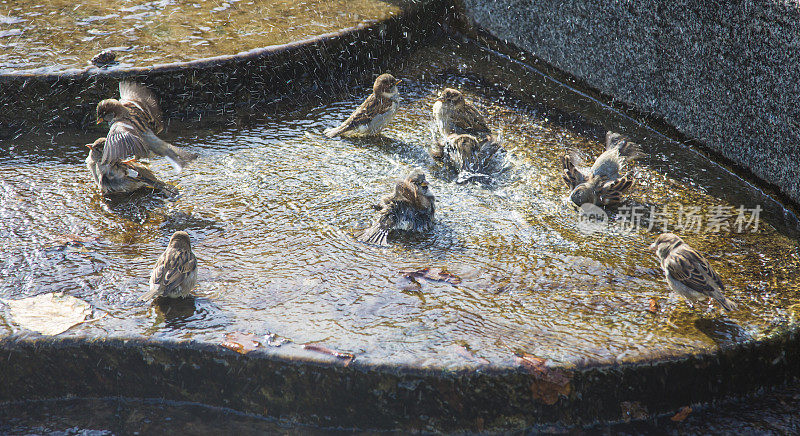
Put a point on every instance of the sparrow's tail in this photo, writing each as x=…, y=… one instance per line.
x=151, y=294
x=176, y=156
x=726, y=303
x=375, y=235
x=335, y=131
x=627, y=149
x=468, y=176
x=146, y=176
x=166, y=187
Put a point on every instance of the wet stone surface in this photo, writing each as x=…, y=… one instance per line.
x=271, y=206
x=766, y=413
x=63, y=34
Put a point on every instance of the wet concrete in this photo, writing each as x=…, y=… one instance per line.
x=766, y=413
x=321, y=391
x=724, y=74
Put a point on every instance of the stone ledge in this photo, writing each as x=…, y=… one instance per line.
x=726, y=74
x=290, y=74
x=325, y=393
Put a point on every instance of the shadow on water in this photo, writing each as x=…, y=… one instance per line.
x=722, y=331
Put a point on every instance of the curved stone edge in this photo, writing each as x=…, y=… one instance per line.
x=292, y=73
x=722, y=73
x=365, y=396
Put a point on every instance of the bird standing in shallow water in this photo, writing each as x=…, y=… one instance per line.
x=120, y=177
x=175, y=272
x=376, y=111
x=603, y=184
x=409, y=209
x=472, y=158
x=135, y=120
x=462, y=139
x=688, y=273
x=453, y=114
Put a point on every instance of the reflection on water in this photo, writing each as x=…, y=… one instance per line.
x=271, y=204
x=62, y=34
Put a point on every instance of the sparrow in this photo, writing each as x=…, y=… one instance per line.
x=175, y=272
x=688, y=273
x=409, y=209
x=602, y=184
x=376, y=111
x=135, y=120
x=120, y=177
x=453, y=114
x=474, y=159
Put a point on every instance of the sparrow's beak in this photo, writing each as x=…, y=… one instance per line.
x=424, y=184
x=653, y=247
x=398, y=82
x=99, y=120
x=89, y=146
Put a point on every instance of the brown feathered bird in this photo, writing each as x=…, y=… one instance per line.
x=409, y=209
x=376, y=111
x=453, y=114
x=474, y=159
x=135, y=120
x=175, y=272
x=688, y=273
x=121, y=177
x=603, y=184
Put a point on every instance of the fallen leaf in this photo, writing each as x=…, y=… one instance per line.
x=347, y=357
x=682, y=414
x=549, y=383
x=241, y=343
x=432, y=274
x=654, y=306
x=49, y=314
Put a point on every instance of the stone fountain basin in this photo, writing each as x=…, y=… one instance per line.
x=711, y=358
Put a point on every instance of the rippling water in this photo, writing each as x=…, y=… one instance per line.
x=61, y=34
x=271, y=205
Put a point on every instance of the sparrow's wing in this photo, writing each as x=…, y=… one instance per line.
x=691, y=269
x=124, y=141
x=571, y=175
x=141, y=99
x=172, y=268
x=378, y=233
x=470, y=121
x=611, y=192
x=362, y=116
x=142, y=174
x=368, y=110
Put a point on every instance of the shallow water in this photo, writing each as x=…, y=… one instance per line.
x=271, y=205
x=62, y=34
